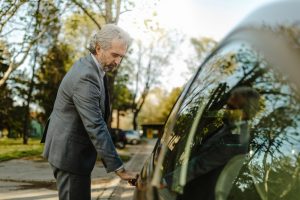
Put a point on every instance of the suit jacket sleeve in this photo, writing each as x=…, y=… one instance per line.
x=86, y=99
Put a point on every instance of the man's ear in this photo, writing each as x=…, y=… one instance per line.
x=98, y=49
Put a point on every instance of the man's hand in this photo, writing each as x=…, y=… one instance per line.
x=127, y=176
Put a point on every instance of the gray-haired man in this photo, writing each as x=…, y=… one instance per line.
x=76, y=130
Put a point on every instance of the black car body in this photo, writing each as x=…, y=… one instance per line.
x=234, y=133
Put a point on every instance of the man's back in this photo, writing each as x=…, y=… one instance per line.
x=68, y=145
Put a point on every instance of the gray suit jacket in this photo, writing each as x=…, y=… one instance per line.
x=76, y=130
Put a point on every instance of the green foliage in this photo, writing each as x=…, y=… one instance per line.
x=168, y=103
x=125, y=158
x=13, y=148
x=122, y=95
x=76, y=32
x=6, y=103
x=158, y=105
x=203, y=45
x=50, y=74
x=4, y=58
x=38, y=24
x=10, y=115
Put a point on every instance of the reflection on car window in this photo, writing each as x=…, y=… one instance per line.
x=236, y=132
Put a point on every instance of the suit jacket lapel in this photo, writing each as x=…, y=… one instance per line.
x=107, y=100
x=91, y=61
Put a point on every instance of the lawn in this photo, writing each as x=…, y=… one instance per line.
x=14, y=148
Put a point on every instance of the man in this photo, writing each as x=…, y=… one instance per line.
x=76, y=130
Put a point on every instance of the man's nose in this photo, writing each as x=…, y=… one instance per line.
x=118, y=60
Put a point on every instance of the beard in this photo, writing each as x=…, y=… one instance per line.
x=233, y=115
x=109, y=68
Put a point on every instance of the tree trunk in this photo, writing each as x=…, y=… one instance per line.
x=110, y=86
x=110, y=8
x=118, y=118
x=108, y=12
x=139, y=106
x=29, y=97
x=134, y=120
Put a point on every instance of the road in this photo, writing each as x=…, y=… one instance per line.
x=33, y=180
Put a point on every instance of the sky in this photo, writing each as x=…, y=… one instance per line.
x=213, y=18
x=194, y=18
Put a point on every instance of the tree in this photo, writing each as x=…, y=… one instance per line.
x=6, y=100
x=110, y=11
x=37, y=25
x=52, y=69
x=76, y=32
x=123, y=98
x=158, y=105
x=10, y=114
x=168, y=103
x=150, y=61
x=30, y=20
x=150, y=112
x=17, y=17
x=47, y=40
x=202, y=46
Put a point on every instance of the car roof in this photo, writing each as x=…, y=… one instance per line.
x=274, y=13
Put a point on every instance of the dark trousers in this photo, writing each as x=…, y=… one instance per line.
x=72, y=186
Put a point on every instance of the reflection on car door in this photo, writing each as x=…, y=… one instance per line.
x=216, y=149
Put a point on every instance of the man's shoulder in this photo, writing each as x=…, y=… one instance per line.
x=84, y=61
x=84, y=67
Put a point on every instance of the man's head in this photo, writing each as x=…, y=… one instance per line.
x=245, y=99
x=109, y=46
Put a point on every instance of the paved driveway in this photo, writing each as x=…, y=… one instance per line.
x=32, y=179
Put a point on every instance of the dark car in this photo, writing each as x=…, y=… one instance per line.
x=234, y=132
x=118, y=137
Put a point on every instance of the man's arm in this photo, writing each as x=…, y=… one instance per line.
x=86, y=100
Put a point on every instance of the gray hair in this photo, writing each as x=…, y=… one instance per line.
x=105, y=36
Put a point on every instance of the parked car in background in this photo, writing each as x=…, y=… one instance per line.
x=118, y=137
x=132, y=136
x=234, y=132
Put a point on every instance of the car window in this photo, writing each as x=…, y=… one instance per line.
x=236, y=132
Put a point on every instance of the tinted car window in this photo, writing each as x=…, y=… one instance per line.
x=236, y=133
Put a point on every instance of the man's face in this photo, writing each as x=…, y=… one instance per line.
x=112, y=57
x=234, y=107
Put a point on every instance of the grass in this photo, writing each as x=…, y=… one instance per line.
x=14, y=148
x=124, y=154
x=125, y=158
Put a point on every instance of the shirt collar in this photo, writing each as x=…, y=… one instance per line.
x=101, y=71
